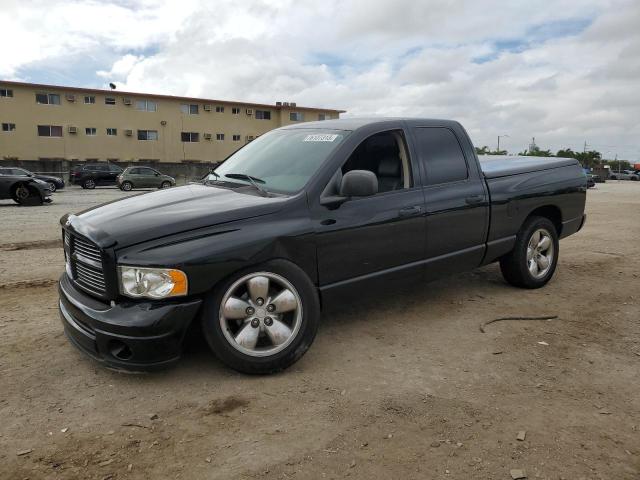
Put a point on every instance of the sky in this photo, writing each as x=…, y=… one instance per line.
x=565, y=72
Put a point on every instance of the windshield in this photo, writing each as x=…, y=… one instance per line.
x=281, y=160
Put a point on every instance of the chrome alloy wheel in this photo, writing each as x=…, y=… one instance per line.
x=261, y=314
x=540, y=251
x=22, y=192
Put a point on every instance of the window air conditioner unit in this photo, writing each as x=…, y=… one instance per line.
x=207, y=136
x=207, y=108
x=127, y=101
x=70, y=97
x=128, y=133
x=72, y=129
x=249, y=111
x=249, y=138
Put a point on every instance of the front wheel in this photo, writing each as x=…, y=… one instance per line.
x=89, y=184
x=52, y=186
x=165, y=185
x=26, y=196
x=534, y=257
x=262, y=319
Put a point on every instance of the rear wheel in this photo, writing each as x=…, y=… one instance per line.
x=165, y=185
x=126, y=186
x=534, y=257
x=89, y=183
x=263, y=319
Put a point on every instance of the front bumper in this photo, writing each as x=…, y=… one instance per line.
x=128, y=335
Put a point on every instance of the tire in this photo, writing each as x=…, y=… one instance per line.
x=258, y=353
x=89, y=184
x=26, y=196
x=126, y=186
x=52, y=186
x=518, y=268
x=165, y=185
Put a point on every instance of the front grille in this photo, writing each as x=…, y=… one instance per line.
x=85, y=264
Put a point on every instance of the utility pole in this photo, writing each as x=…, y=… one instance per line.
x=501, y=136
x=584, y=150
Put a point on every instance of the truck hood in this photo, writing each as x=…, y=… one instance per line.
x=150, y=216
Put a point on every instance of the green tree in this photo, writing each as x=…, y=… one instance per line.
x=589, y=159
x=536, y=152
x=566, y=152
x=486, y=151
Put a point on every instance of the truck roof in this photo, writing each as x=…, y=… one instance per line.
x=359, y=122
x=494, y=166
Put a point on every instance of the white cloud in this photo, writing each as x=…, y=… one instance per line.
x=564, y=72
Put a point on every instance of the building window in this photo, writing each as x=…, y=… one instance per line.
x=5, y=92
x=8, y=127
x=235, y=111
x=147, y=135
x=146, y=105
x=219, y=109
x=112, y=132
x=236, y=138
x=48, y=98
x=296, y=116
x=109, y=100
x=322, y=116
x=49, y=130
x=190, y=136
x=263, y=114
x=89, y=99
x=188, y=109
x=220, y=136
x=91, y=131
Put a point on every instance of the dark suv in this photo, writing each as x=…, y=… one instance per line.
x=92, y=174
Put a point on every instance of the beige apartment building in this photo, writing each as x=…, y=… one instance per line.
x=47, y=122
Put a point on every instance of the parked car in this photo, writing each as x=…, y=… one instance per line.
x=142, y=177
x=296, y=216
x=55, y=183
x=624, y=175
x=590, y=181
x=91, y=175
x=24, y=190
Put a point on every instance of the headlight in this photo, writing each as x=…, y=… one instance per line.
x=139, y=282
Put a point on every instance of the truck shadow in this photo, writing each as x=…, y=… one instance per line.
x=386, y=300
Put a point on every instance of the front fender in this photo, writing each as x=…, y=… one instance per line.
x=209, y=255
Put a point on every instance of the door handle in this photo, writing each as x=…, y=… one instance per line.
x=474, y=199
x=328, y=221
x=410, y=211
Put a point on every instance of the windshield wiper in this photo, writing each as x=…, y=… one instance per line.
x=254, y=181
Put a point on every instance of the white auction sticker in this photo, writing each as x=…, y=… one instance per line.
x=325, y=137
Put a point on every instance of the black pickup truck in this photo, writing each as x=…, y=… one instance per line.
x=299, y=214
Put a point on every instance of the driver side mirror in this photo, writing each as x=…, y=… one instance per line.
x=355, y=183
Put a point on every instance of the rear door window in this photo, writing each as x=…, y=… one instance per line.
x=440, y=155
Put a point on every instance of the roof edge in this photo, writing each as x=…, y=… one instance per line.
x=158, y=95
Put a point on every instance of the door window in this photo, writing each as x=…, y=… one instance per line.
x=441, y=155
x=384, y=154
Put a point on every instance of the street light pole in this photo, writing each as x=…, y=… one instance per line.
x=500, y=136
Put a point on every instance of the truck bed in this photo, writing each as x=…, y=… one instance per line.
x=494, y=166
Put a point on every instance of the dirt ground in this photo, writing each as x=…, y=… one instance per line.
x=403, y=386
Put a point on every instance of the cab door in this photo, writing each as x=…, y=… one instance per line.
x=456, y=201
x=378, y=237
